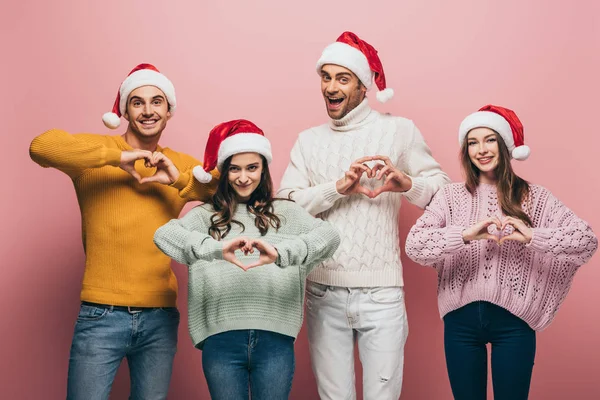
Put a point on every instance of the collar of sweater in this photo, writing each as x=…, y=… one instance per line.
x=361, y=115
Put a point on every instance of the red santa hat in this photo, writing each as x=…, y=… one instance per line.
x=230, y=138
x=504, y=122
x=141, y=75
x=349, y=51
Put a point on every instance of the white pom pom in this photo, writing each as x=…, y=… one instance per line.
x=384, y=95
x=111, y=120
x=521, y=153
x=201, y=175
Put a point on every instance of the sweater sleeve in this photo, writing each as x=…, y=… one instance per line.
x=184, y=239
x=431, y=240
x=426, y=174
x=190, y=188
x=72, y=154
x=296, y=185
x=316, y=240
x=563, y=235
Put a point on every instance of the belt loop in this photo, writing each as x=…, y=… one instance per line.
x=111, y=308
x=133, y=311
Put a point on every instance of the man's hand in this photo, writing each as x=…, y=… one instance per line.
x=128, y=159
x=350, y=183
x=166, y=172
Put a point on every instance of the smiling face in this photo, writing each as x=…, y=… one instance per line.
x=147, y=112
x=342, y=90
x=482, y=145
x=244, y=174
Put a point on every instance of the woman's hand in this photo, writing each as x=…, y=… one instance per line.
x=479, y=231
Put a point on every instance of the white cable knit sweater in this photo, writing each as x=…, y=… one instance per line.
x=369, y=253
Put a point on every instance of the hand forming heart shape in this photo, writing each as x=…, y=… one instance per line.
x=500, y=231
x=166, y=172
x=395, y=180
x=268, y=253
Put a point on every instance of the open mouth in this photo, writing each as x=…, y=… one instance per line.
x=334, y=102
x=485, y=160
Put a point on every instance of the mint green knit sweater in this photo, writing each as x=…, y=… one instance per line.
x=223, y=297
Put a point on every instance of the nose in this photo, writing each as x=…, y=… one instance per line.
x=332, y=87
x=243, y=178
x=483, y=148
x=148, y=109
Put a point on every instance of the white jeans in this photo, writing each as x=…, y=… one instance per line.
x=376, y=318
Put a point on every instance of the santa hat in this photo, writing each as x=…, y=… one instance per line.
x=142, y=75
x=504, y=122
x=360, y=57
x=230, y=138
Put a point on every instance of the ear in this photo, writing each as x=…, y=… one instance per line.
x=126, y=115
x=168, y=115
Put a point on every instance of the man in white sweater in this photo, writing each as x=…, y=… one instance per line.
x=353, y=172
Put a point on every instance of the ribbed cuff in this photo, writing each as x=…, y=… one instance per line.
x=539, y=240
x=417, y=189
x=181, y=182
x=330, y=193
x=454, y=239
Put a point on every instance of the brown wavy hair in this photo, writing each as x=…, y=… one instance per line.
x=260, y=204
x=513, y=190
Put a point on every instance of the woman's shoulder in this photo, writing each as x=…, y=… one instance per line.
x=202, y=210
x=284, y=206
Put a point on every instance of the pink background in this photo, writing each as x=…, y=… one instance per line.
x=63, y=62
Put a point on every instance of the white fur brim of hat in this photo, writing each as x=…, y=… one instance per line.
x=236, y=144
x=143, y=77
x=343, y=54
x=244, y=143
x=496, y=122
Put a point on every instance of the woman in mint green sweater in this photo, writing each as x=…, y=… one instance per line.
x=248, y=256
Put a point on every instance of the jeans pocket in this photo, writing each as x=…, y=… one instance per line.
x=89, y=312
x=172, y=312
x=316, y=290
x=386, y=295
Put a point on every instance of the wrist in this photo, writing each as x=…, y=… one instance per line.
x=465, y=237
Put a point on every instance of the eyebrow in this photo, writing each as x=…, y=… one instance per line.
x=158, y=96
x=486, y=137
x=249, y=165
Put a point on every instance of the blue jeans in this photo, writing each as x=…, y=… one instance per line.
x=238, y=362
x=104, y=335
x=466, y=333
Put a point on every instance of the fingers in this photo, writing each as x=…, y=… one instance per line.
x=380, y=170
x=385, y=159
x=135, y=174
x=515, y=222
x=364, y=159
x=359, y=169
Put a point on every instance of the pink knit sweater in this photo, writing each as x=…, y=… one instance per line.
x=531, y=281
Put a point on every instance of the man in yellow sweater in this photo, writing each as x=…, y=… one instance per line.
x=127, y=186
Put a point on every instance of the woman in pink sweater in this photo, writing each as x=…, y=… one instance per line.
x=505, y=251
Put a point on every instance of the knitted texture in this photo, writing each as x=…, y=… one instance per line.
x=223, y=297
x=119, y=216
x=369, y=254
x=531, y=281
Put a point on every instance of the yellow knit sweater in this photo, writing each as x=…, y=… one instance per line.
x=119, y=216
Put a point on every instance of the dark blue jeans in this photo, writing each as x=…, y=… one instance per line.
x=466, y=334
x=236, y=363
x=104, y=335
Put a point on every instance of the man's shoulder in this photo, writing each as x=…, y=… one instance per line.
x=180, y=157
x=401, y=122
x=313, y=131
